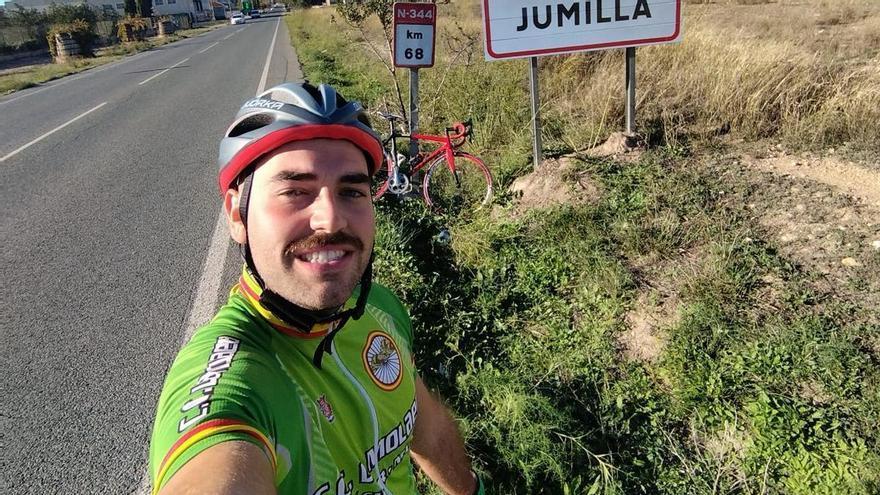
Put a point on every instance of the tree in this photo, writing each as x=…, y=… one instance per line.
x=131, y=8
x=30, y=18
x=144, y=8
x=66, y=14
x=356, y=13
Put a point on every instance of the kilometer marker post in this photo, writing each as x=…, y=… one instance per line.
x=413, y=110
x=414, y=28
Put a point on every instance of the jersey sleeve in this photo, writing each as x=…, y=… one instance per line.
x=214, y=392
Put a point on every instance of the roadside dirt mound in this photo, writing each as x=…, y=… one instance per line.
x=657, y=306
x=824, y=213
x=848, y=177
x=554, y=182
x=620, y=145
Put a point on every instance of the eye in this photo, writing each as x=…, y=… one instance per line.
x=293, y=192
x=351, y=192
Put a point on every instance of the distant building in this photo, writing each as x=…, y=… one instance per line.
x=160, y=7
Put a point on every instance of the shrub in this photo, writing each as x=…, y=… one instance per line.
x=79, y=30
x=66, y=14
x=132, y=29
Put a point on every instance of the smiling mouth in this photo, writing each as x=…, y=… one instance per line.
x=322, y=257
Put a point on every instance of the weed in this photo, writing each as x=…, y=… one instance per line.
x=517, y=320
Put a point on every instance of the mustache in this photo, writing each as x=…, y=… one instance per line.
x=316, y=241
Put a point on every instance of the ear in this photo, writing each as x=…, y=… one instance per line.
x=237, y=230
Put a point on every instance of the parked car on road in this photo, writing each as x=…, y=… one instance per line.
x=255, y=14
x=237, y=18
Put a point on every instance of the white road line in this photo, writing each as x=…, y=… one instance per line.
x=262, y=85
x=53, y=131
x=230, y=35
x=209, y=283
x=145, y=81
x=212, y=271
x=72, y=78
x=209, y=47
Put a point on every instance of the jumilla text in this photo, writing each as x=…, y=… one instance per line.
x=579, y=13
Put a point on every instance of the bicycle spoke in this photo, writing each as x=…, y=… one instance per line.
x=468, y=188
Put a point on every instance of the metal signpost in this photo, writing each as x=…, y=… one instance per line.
x=533, y=28
x=414, y=28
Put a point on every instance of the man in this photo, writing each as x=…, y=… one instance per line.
x=304, y=382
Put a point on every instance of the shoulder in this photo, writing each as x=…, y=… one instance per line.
x=382, y=298
x=388, y=309
x=220, y=387
x=231, y=339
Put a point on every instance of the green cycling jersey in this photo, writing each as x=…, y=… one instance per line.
x=341, y=429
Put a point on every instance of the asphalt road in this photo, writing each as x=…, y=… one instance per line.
x=105, y=233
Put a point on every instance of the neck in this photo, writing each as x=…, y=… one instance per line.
x=257, y=297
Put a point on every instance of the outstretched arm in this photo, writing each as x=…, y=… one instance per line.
x=437, y=446
x=228, y=468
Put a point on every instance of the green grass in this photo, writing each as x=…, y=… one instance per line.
x=765, y=384
x=33, y=76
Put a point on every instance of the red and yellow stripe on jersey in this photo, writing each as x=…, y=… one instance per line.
x=203, y=431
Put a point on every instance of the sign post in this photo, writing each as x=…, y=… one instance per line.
x=533, y=28
x=413, y=109
x=414, y=28
x=630, y=90
x=537, y=153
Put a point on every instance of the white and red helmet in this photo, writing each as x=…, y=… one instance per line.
x=293, y=112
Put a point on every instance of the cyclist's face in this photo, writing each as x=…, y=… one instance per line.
x=310, y=221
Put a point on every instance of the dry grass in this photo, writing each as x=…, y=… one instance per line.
x=807, y=71
x=748, y=75
x=535, y=313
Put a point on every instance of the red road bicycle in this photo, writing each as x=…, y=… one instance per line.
x=454, y=180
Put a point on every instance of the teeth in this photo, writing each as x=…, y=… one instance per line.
x=323, y=256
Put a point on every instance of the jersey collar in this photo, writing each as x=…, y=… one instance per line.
x=251, y=290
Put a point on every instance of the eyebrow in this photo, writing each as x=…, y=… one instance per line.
x=358, y=178
x=286, y=175
x=355, y=179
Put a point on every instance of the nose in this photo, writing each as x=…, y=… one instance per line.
x=326, y=213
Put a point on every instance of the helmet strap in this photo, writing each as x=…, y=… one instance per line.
x=244, y=197
x=304, y=319
x=326, y=344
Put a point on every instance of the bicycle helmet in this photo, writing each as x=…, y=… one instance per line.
x=283, y=114
x=293, y=112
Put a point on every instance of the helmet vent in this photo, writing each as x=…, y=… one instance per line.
x=251, y=123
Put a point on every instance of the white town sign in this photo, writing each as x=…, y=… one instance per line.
x=529, y=28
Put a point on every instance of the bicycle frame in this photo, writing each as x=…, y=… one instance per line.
x=401, y=182
x=447, y=147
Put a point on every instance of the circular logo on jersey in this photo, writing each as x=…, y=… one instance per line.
x=382, y=360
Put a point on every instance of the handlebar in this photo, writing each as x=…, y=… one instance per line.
x=460, y=130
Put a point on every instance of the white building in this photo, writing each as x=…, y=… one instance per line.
x=161, y=7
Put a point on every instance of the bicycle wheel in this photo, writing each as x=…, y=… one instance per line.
x=380, y=180
x=469, y=187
